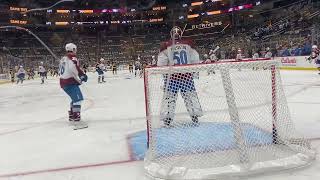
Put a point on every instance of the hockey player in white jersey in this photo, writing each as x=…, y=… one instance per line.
x=42, y=72
x=100, y=68
x=21, y=74
x=178, y=52
x=315, y=55
x=71, y=77
x=268, y=53
x=137, y=67
x=239, y=57
x=255, y=56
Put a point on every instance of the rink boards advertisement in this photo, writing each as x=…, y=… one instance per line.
x=296, y=63
x=4, y=78
x=291, y=62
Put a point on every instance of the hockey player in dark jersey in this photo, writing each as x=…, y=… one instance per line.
x=130, y=67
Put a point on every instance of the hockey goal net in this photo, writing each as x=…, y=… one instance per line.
x=219, y=120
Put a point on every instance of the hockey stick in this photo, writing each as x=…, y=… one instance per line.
x=46, y=8
x=184, y=28
x=35, y=36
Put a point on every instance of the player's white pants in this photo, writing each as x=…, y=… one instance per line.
x=137, y=72
x=191, y=102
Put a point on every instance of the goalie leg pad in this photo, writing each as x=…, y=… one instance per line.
x=192, y=103
x=168, y=105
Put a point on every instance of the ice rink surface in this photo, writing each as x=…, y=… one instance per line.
x=36, y=142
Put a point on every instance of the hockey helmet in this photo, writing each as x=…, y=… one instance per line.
x=314, y=47
x=176, y=33
x=70, y=47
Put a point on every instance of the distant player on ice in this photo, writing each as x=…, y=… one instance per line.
x=71, y=77
x=239, y=56
x=315, y=55
x=42, y=72
x=137, y=67
x=178, y=52
x=255, y=56
x=100, y=68
x=21, y=74
x=130, y=67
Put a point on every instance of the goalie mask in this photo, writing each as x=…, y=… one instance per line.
x=70, y=47
x=176, y=33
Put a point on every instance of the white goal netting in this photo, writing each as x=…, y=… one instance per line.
x=219, y=120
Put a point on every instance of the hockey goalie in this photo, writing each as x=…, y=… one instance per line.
x=174, y=52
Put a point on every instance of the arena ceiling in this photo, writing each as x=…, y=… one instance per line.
x=137, y=4
x=85, y=3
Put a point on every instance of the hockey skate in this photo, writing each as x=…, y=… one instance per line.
x=76, y=122
x=103, y=79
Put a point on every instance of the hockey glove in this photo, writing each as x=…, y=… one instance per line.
x=84, y=78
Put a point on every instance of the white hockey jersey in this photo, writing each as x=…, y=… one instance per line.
x=101, y=66
x=182, y=52
x=42, y=69
x=21, y=71
x=69, y=71
x=137, y=64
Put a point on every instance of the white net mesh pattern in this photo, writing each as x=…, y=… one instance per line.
x=235, y=122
